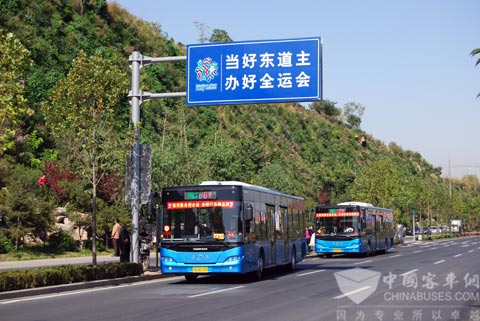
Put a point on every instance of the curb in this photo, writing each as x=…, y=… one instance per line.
x=80, y=286
x=149, y=275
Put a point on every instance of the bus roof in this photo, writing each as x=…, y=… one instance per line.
x=239, y=184
x=356, y=203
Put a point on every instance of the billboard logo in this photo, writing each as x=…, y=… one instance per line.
x=357, y=284
x=206, y=69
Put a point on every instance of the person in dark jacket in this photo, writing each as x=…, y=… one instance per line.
x=124, y=244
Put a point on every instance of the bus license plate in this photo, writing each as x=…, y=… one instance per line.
x=200, y=269
x=337, y=250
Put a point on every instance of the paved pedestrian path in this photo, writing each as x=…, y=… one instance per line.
x=83, y=260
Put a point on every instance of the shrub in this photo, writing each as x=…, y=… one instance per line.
x=100, y=245
x=6, y=244
x=61, y=242
x=34, y=278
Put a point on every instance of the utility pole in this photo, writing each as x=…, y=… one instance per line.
x=137, y=61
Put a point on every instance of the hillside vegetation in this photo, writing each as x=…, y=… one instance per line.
x=65, y=116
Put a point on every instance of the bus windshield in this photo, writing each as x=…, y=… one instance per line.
x=207, y=223
x=337, y=225
x=338, y=221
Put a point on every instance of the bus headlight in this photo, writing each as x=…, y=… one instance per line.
x=167, y=259
x=233, y=258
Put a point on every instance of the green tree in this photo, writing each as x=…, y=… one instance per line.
x=219, y=35
x=82, y=115
x=327, y=108
x=384, y=183
x=14, y=109
x=352, y=114
x=27, y=205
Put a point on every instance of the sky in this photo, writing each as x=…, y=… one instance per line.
x=407, y=62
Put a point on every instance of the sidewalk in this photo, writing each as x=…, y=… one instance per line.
x=29, y=264
x=82, y=260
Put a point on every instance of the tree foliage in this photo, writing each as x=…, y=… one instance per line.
x=352, y=114
x=82, y=115
x=14, y=108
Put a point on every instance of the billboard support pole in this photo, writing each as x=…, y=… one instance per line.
x=136, y=97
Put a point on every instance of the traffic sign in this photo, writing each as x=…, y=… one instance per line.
x=254, y=72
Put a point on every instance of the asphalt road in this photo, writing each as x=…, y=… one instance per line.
x=420, y=281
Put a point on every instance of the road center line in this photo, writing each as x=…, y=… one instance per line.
x=407, y=273
x=352, y=292
x=312, y=272
x=438, y=262
x=217, y=291
x=367, y=261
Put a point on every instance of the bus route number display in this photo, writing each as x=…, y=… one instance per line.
x=254, y=72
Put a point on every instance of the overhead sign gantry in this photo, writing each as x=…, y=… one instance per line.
x=245, y=72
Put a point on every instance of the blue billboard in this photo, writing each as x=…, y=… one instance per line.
x=254, y=72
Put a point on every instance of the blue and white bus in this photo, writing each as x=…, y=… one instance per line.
x=353, y=227
x=230, y=227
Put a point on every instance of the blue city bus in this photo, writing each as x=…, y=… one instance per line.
x=353, y=228
x=230, y=227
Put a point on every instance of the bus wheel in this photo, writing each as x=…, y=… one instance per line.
x=328, y=255
x=191, y=277
x=293, y=260
x=260, y=266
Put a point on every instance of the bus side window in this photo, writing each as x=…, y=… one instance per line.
x=364, y=220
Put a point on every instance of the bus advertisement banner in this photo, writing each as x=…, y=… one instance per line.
x=254, y=72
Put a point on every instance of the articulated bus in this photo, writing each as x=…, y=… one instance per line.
x=353, y=227
x=230, y=227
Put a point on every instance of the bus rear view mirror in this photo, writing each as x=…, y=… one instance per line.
x=248, y=213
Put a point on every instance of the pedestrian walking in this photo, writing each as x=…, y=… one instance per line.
x=116, y=237
x=308, y=235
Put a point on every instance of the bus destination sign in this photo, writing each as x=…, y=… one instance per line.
x=254, y=72
x=200, y=195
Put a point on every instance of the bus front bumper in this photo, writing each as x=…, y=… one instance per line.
x=234, y=266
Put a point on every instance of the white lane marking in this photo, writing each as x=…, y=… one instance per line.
x=458, y=255
x=438, y=262
x=395, y=256
x=312, y=272
x=217, y=291
x=362, y=262
x=417, y=251
x=110, y=287
x=352, y=292
x=434, y=248
x=407, y=273
x=471, y=251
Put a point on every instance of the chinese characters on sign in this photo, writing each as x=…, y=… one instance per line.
x=254, y=72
